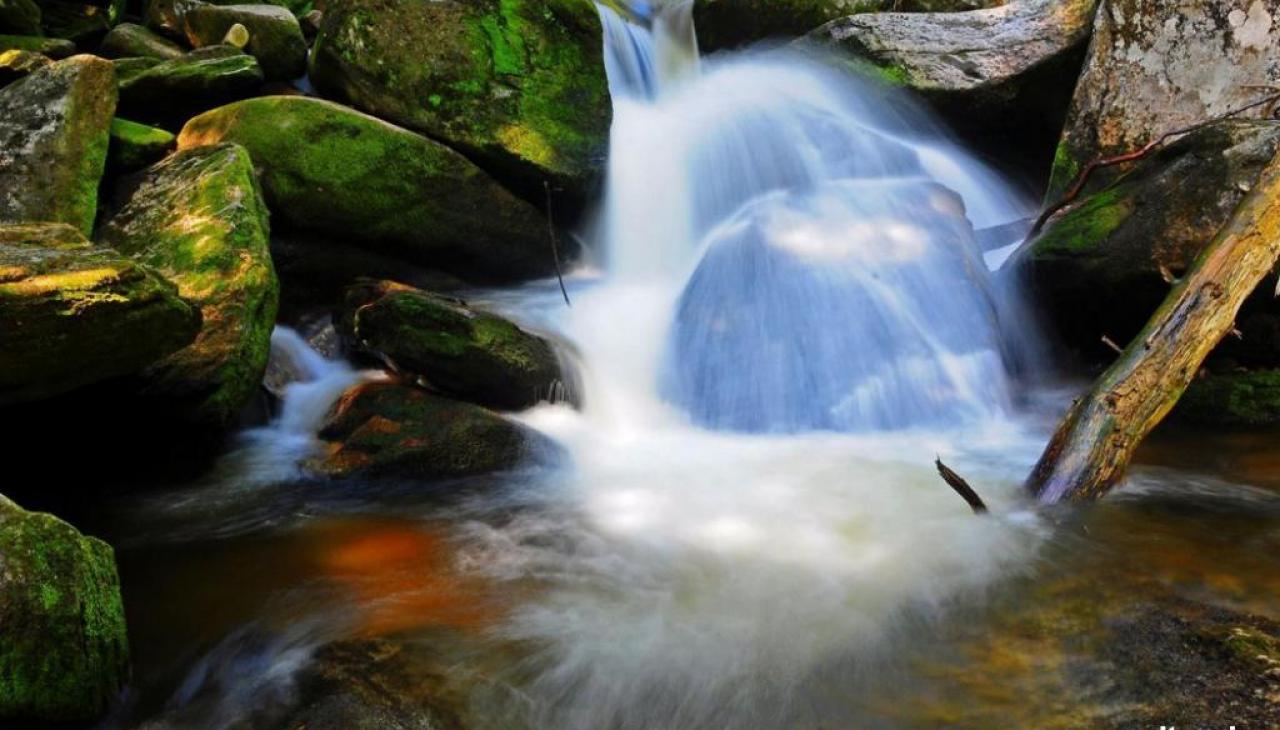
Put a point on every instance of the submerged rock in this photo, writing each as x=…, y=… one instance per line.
x=53, y=142
x=134, y=146
x=65, y=654
x=1156, y=67
x=388, y=430
x=340, y=173
x=518, y=86
x=1011, y=65
x=72, y=313
x=451, y=348
x=1100, y=267
x=19, y=17
x=275, y=38
x=129, y=40
x=198, y=218
x=15, y=65
x=170, y=92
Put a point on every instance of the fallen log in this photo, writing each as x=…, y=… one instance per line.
x=961, y=487
x=1093, y=444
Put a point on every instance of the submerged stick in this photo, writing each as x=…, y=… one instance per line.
x=555, y=250
x=1093, y=444
x=957, y=482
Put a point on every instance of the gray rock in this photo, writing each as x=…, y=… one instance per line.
x=129, y=40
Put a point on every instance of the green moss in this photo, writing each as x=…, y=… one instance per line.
x=134, y=146
x=1254, y=646
x=1244, y=399
x=1065, y=169
x=1083, y=228
x=65, y=653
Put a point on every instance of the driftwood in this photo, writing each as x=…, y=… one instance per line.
x=957, y=482
x=1092, y=446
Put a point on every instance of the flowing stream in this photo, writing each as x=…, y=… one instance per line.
x=787, y=318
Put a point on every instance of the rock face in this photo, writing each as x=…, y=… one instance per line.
x=1097, y=267
x=387, y=430
x=53, y=142
x=1156, y=67
x=455, y=350
x=170, y=92
x=198, y=218
x=134, y=146
x=72, y=313
x=337, y=172
x=65, y=654
x=275, y=38
x=129, y=40
x=516, y=84
x=1022, y=55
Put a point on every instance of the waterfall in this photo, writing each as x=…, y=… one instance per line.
x=794, y=242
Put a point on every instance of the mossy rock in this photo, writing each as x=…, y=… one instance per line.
x=1100, y=267
x=170, y=92
x=53, y=142
x=339, y=173
x=130, y=40
x=275, y=38
x=518, y=85
x=83, y=23
x=51, y=47
x=456, y=350
x=72, y=313
x=392, y=431
x=1248, y=399
x=198, y=218
x=19, y=17
x=15, y=65
x=65, y=653
x=134, y=146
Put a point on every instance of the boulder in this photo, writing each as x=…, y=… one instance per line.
x=453, y=349
x=83, y=23
x=129, y=40
x=72, y=313
x=165, y=17
x=19, y=17
x=53, y=142
x=388, y=430
x=275, y=38
x=1156, y=67
x=198, y=218
x=65, y=654
x=134, y=146
x=170, y=92
x=732, y=23
x=517, y=86
x=1006, y=69
x=340, y=173
x=51, y=47
x=15, y=65
x=1100, y=267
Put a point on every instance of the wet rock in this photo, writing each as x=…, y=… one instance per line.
x=51, y=47
x=1156, y=67
x=65, y=655
x=129, y=40
x=275, y=38
x=134, y=146
x=380, y=186
x=198, y=218
x=19, y=17
x=53, y=142
x=72, y=313
x=170, y=92
x=456, y=350
x=1011, y=66
x=15, y=65
x=1100, y=267
x=518, y=86
x=388, y=430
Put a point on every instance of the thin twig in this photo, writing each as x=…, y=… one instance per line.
x=1077, y=186
x=555, y=250
x=957, y=482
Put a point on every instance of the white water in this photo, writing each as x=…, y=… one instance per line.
x=791, y=322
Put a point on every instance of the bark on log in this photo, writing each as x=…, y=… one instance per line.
x=1092, y=446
